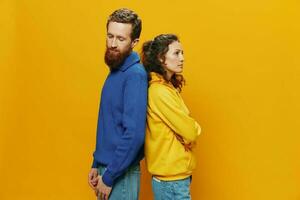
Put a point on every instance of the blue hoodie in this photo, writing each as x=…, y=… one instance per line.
x=122, y=119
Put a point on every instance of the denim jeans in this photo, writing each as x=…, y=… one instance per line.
x=171, y=190
x=127, y=186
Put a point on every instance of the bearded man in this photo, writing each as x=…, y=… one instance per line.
x=115, y=172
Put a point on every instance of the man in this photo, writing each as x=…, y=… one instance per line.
x=115, y=172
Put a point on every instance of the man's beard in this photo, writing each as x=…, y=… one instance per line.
x=114, y=58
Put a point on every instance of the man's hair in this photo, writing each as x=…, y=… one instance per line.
x=127, y=16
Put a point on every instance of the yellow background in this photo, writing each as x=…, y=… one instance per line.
x=242, y=71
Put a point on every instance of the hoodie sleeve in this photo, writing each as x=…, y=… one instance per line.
x=166, y=105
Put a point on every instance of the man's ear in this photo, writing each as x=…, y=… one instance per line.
x=134, y=42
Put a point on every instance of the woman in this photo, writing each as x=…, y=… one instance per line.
x=171, y=131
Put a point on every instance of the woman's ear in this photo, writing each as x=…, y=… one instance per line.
x=161, y=60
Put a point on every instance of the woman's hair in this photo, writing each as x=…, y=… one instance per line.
x=155, y=50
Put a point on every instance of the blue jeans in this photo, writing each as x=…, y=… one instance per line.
x=127, y=186
x=171, y=190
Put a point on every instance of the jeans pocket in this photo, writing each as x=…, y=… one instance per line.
x=182, y=189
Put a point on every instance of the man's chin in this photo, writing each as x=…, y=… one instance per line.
x=114, y=59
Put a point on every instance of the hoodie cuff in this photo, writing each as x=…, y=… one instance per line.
x=198, y=128
x=107, y=179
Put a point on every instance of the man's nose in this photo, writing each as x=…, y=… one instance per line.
x=114, y=43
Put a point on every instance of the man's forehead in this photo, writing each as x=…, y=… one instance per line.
x=119, y=29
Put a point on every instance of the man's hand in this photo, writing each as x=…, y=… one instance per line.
x=92, y=178
x=102, y=189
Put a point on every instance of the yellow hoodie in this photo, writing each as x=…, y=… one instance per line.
x=170, y=129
